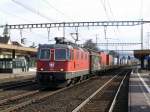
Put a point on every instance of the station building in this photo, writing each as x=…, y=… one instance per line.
x=14, y=57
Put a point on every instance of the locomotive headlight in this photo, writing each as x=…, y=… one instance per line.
x=41, y=69
x=61, y=69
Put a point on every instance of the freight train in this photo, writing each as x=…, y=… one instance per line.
x=66, y=63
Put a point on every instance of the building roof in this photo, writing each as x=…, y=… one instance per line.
x=17, y=48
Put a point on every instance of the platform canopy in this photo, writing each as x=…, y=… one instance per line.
x=141, y=53
x=19, y=49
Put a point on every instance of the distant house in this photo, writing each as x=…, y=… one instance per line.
x=6, y=40
x=3, y=53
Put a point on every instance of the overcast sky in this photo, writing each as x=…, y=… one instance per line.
x=41, y=11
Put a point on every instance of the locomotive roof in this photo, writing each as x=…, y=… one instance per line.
x=65, y=46
x=52, y=46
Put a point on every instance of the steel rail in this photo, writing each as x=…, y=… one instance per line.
x=20, y=96
x=36, y=99
x=116, y=95
x=32, y=100
x=19, y=84
x=94, y=94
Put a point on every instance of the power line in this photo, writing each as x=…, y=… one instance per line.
x=141, y=9
x=57, y=10
x=32, y=10
x=119, y=44
x=14, y=15
x=11, y=14
x=110, y=9
x=26, y=33
x=53, y=7
x=103, y=3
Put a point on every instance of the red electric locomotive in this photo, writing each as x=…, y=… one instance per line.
x=65, y=63
x=61, y=62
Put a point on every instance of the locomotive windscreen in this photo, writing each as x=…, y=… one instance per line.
x=44, y=54
x=62, y=54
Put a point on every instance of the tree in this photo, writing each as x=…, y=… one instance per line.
x=89, y=44
x=113, y=53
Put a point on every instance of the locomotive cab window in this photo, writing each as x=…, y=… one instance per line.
x=62, y=54
x=44, y=54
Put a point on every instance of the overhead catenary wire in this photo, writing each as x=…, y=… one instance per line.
x=6, y=12
x=27, y=34
x=109, y=14
x=141, y=9
x=57, y=10
x=110, y=9
x=103, y=3
x=21, y=18
x=112, y=14
x=33, y=10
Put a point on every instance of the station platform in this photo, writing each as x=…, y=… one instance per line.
x=139, y=92
x=6, y=77
x=14, y=75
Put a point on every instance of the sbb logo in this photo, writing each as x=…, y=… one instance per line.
x=51, y=64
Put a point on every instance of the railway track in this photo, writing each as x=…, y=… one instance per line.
x=12, y=91
x=64, y=100
x=17, y=84
x=105, y=98
x=17, y=93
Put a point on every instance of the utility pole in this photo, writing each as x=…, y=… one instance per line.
x=72, y=35
x=105, y=34
x=141, y=34
x=96, y=39
x=63, y=33
x=76, y=34
x=148, y=36
x=48, y=31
